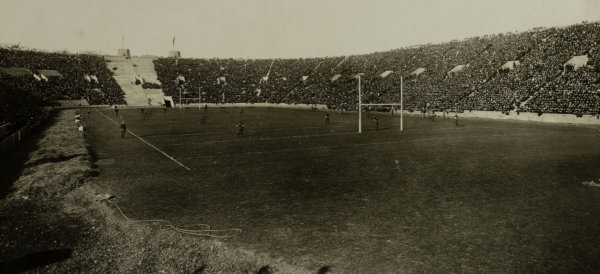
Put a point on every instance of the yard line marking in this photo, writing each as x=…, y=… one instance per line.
x=351, y=145
x=287, y=128
x=230, y=131
x=151, y=145
x=268, y=138
x=287, y=137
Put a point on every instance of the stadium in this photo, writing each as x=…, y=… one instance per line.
x=478, y=153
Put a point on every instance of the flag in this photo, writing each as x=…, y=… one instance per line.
x=173, y=40
x=87, y=78
x=123, y=39
x=93, y=77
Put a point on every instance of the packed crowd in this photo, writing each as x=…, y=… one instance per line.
x=78, y=77
x=537, y=84
x=73, y=84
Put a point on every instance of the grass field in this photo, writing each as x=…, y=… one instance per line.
x=487, y=196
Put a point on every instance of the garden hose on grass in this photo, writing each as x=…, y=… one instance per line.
x=204, y=229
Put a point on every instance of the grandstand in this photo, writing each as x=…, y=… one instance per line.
x=557, y=71
x=459, y=76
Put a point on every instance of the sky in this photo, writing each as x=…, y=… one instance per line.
x=271, y=28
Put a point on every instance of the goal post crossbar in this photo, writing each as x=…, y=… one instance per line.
x=199, y=98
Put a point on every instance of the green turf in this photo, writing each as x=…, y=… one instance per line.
x=487, y=196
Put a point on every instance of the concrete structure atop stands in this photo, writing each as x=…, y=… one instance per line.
x=142, y=67
x=457, y=69
x=510, y=65
x=418, y=71
x=15, y=72
x=577, y=61
x=49, y=73
x=175, y=54
x=124, y=53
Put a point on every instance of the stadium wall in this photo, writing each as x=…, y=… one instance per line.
x=525, y=116
x=281, y=105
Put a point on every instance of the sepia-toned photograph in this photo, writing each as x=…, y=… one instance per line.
x=288, y=136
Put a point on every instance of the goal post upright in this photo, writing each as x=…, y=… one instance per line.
x=401, y=104
x=359, y=107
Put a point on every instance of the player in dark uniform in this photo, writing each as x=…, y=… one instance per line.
x=327, y=118
x=456, y=118
x=116, y=111
x=89, y=113
x=376, y=122
x=432, y=116
x=123, y=128
x=240, y=126
x=205, y=108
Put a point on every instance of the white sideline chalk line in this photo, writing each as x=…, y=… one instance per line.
x=350, y=145
x=152, y=146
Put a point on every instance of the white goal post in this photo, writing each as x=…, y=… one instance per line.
x=199, y=98
x=360, y=105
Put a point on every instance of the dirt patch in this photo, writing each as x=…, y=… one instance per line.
x=57, y=220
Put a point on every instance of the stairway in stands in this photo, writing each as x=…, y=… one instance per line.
x=126, y=69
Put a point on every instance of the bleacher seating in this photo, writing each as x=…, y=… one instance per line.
x=32, y=80
x=73, y=83
x=538, y=84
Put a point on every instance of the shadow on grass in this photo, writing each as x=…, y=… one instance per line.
x=35, y=260
x=52, y=160
x=12, y=161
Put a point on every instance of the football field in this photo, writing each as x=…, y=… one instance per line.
x=484, y=196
